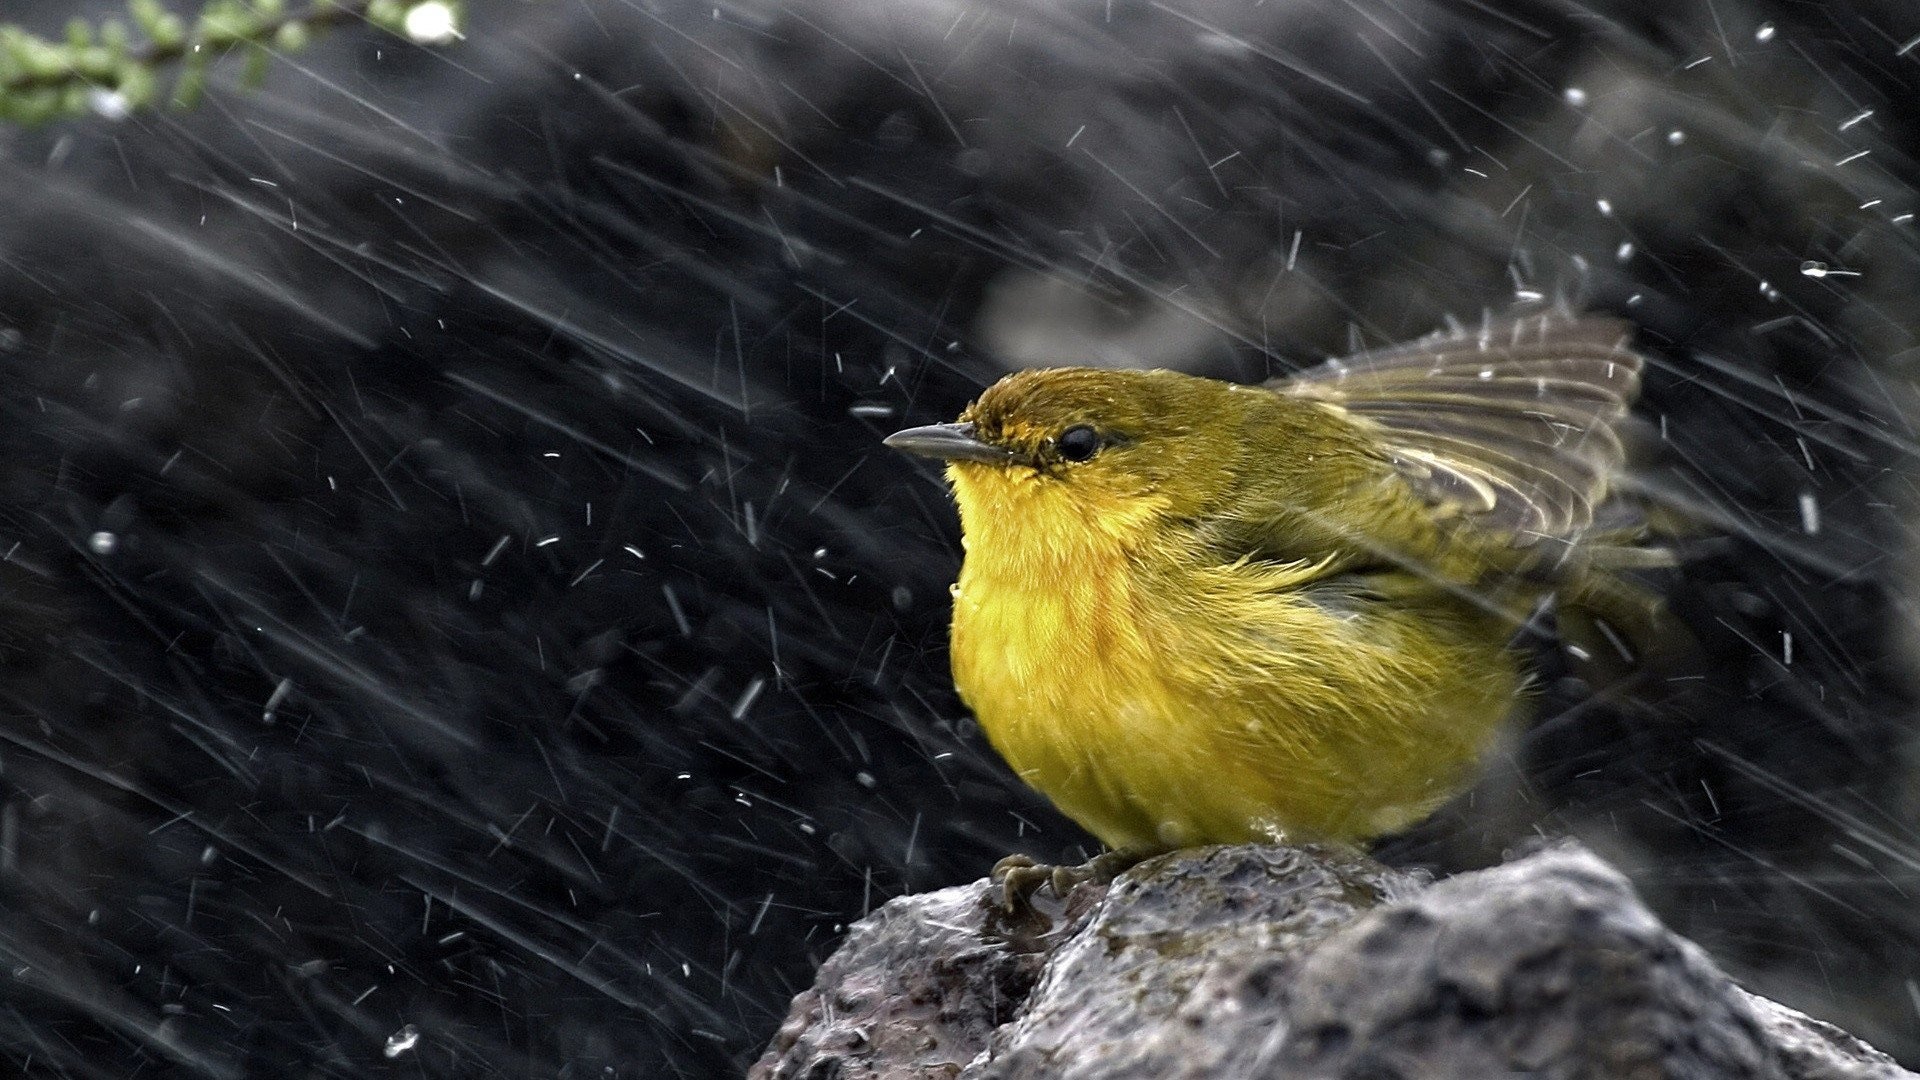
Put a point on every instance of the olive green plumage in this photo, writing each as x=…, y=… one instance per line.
x=1193, y=612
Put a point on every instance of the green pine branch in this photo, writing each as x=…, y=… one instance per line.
x=117, y=68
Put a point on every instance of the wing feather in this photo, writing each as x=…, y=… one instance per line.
x=1513, y=423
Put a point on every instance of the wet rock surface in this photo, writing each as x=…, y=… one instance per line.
x=1296, y=962
x=915, y=991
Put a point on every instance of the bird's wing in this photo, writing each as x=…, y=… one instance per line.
x=1512, y=424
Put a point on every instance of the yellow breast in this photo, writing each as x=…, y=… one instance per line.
x=1059, y=678
x=1162, y=701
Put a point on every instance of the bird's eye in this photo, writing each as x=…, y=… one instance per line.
x=1078, y=443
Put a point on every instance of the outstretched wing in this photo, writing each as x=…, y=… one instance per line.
x=1513, y=424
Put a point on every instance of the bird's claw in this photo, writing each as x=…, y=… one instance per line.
x=1018, y=876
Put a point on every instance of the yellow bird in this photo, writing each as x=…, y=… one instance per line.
x=1197, y=612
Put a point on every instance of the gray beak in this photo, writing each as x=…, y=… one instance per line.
x=948, y=442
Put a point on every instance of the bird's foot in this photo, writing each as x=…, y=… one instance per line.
x=1019, y=876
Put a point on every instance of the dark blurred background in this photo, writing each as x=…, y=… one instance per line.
x=455, y=618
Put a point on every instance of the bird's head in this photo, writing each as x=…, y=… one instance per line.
x=1064, y=449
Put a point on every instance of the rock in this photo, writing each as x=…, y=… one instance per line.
x=915, y=990
x=1297, y=962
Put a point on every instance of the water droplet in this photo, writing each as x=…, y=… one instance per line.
x=1809, y=514
x=1676, y=137
x=1814, y=268
x=402, y=1041
x=274, y=699
x=102, y=543
x=1764, y=33
x=1606, y=207
x=109, y=104
x=1575, y=96
x=431, y=23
